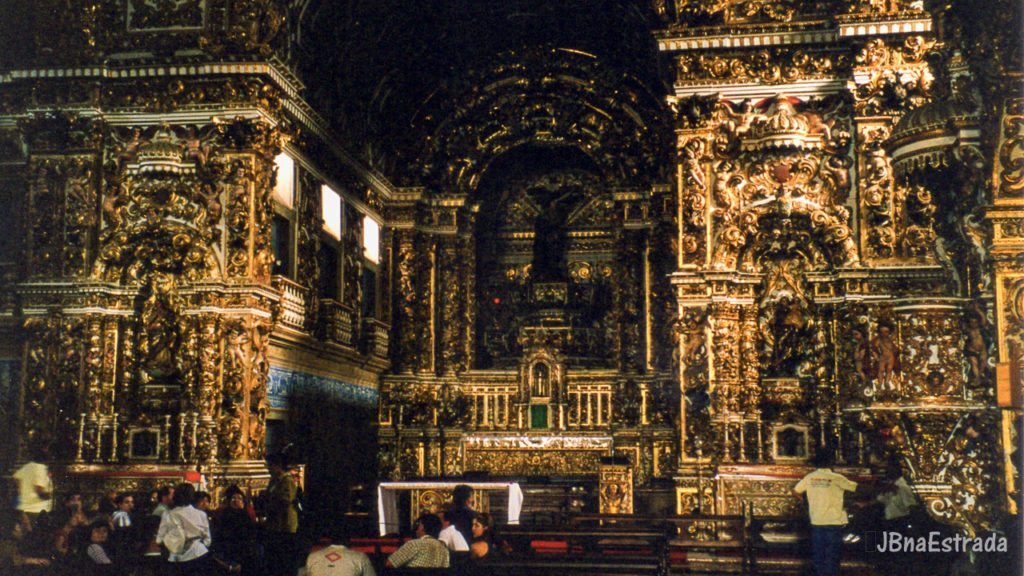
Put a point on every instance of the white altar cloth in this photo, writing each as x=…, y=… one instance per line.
x=387, y=499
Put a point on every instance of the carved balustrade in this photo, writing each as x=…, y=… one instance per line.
x=337, y=321
x=375, y=337
x=293, y=303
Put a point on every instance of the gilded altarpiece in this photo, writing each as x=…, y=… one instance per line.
x=149, y=309
x=837, y=281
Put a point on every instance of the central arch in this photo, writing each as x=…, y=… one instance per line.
x=552, y=98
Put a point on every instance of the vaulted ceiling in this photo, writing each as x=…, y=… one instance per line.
x=388, y=73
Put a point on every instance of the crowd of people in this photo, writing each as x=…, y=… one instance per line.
x=179, y=531
x=175, y=531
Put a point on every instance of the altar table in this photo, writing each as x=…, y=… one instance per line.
x=387, y=498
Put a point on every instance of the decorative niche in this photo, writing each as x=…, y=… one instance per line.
x=144, y=443
x=790, y=442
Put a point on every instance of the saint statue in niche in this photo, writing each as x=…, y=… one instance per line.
x=790, y=442
x=792, y=329
x=159, y=315
x=540, y=386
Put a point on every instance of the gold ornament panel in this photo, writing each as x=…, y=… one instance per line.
x=529, y=462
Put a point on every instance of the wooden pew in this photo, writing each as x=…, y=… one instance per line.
x=606, y=550
x=615, y=520
x=573, y=566
x=523, y=539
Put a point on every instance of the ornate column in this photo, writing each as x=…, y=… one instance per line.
x=449, y=293
x=467, y=269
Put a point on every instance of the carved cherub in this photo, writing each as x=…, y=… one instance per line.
x=861, y=353
x=130, y=148
x=976, y=343
x=876, y=170
x=690, y=157
x=194, y=144
x=885, y=354
x=723, y=190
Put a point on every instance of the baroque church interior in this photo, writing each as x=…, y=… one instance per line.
x=677, y=247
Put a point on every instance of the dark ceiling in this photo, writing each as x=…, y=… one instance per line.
x=370, y=65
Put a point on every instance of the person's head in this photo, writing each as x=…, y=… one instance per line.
x=823, y=458
x=73, y=502
x=277, y=464
x=461, y=495
x=443, y=515
x=107, y=503
x=64, y=519
x=183, y=494
x=165, y=495
x=99, y=530
x=482, y=523
x=124, y=502
x=235, y=498
x=201, y=500
x=429, y=525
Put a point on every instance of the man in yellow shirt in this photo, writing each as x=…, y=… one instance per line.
x=825, y=490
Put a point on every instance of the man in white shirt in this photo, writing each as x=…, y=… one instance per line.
x=451, y=537
x=825, y=490
x=35, y=491
x=194, y=557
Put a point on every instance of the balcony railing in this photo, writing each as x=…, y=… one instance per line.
x=375, y=338
x=337, y=319
x=293, y=303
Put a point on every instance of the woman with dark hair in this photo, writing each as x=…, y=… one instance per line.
x=234, y=533
x=486, y=545
x=185, y=532
x=75, y=511
x=100, y=561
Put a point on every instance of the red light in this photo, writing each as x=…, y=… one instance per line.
x=497, y=300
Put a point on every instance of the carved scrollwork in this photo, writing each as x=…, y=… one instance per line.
x=770, y=65
x=1011, y=152
x=919, y=235
x=693, y=198
x=880, y=211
